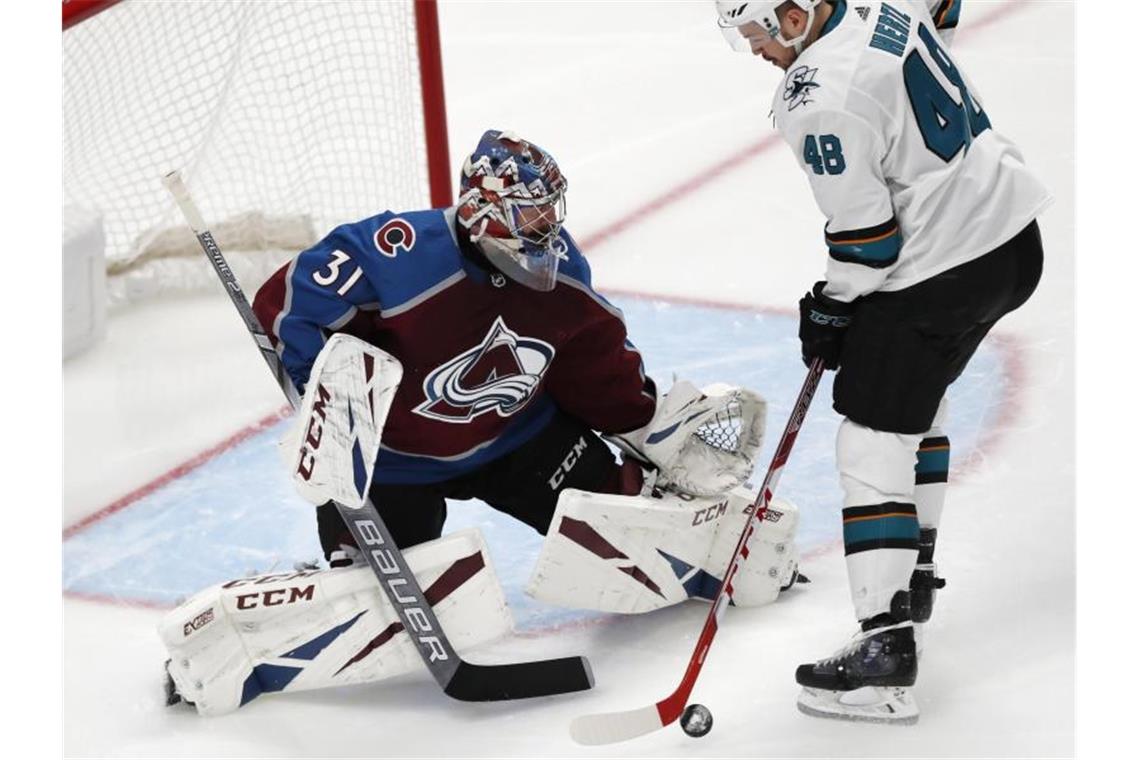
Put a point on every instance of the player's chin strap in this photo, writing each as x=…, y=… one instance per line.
x=703, y=442
x=798, y=42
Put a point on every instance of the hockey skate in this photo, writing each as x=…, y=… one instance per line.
x=868, y=680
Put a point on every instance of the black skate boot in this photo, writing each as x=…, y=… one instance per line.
x=869, y=679
x=883, y=655
x=924, y=581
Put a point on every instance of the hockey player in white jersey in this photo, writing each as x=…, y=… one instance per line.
x=931, y=238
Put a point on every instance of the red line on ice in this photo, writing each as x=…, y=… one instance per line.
x=179, y=471
x=117, y=600
x=688, y=187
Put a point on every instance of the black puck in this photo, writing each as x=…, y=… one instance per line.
x=697, y=720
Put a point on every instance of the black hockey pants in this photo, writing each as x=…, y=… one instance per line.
x=904, y=348
x=524, y=484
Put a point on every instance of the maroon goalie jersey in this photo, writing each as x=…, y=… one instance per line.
x=487, y=361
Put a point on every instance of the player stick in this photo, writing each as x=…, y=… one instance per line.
x=458, y=678
x=607, y=728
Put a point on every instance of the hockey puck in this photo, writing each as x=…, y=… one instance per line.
x=696, y=721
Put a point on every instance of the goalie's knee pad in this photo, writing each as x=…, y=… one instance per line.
x=317, y=628
x=875, y=466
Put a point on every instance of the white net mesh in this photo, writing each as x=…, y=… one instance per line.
x=286, y=118
x=722, y=432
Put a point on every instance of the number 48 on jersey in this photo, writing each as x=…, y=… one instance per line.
x=946, y=125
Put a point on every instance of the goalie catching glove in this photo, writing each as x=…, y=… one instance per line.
x=703, y=442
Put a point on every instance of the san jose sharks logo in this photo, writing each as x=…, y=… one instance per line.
x=499, y=375
x=798, y=87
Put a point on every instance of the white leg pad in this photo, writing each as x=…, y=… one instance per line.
x=318, y=628
x=633, y=554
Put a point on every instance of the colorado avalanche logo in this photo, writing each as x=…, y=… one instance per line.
x=396, y=235
x=499, y=375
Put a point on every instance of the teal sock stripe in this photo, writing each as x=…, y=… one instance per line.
x=933, y=463
x=891, y=525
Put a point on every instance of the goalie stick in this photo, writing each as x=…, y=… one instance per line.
x=607, y=728
x=458, y=678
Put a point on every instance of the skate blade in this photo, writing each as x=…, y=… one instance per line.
x=870, y=704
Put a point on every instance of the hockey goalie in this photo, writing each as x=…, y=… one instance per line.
x=462, y=353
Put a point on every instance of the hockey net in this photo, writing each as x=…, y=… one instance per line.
x=286, y=119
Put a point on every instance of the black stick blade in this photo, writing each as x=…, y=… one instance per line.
x=519, y=680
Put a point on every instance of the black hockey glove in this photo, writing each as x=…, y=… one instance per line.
x=336, y=541
x=823, y=323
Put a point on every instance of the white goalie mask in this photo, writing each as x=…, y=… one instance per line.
x=733, y=14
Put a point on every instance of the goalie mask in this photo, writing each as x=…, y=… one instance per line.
x=733, y=14
x=512, y=204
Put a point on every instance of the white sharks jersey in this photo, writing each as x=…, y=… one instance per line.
x=900, y=152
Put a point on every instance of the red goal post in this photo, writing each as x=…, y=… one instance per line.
x=286, y=117
x=75, y=11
